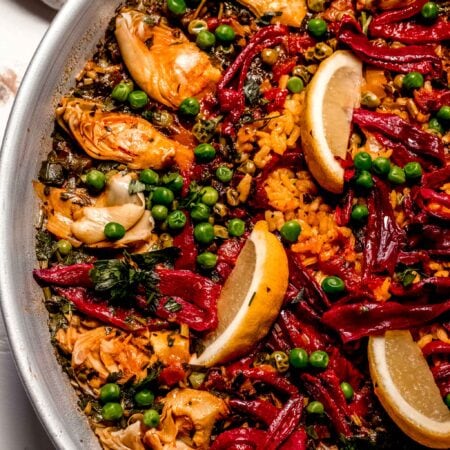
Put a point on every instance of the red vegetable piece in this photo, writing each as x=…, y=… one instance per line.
x=74, y=275
x=188, y=252
x=436, y=348
x=298, y=440
x=431, y=100
x=171, y=375
x=259, y=409
x=272, y=378
x=240, y=438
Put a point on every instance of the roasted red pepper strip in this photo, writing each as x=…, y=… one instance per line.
x=283, y=67
x=436, y=179
x=436, y=348
x=188, y=252
x=431, y=100
x=286, y=421
x=343, y=213
x=271, y=378
x=126, y=319
x=261, y=410
x=359, y=320
x=171, y=375
x=419, y=58
x=441, y=371
x=432, y=285
x=276, y=98
x=437, y=204
x=298, y=440
x=242, y=438
x=400, y=130
x=74, y=275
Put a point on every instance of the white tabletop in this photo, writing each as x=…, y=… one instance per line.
x=22, y=25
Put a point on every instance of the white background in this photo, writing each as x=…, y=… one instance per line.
x=22, y=25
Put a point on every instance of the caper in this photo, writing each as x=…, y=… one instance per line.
x=225, y=49
x=162, y=118
x=221, y=232
x=301, y=72
x=322, y=51
x=280, y=361
x=398, y=81
x=370, y=99
x=269, y=56
x=316, y=5
x=220, y=209
x=232, y=197
x=247, y=167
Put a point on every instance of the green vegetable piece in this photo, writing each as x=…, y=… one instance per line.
x=435, y=125
x=160, y=212
x=176, y=220
x=121, y=91
x=444, y=113
x=197, y=25
x=224, y=174
x=137, y=99
x=64, y=247
x=295, y=84
x=109, y=393
x=205, y=39
x=447, y=400
x=112, y=411
x=95, y=180
x=190, y=106
x=315, y=408
x=149, y=176
x=381, y=165
x=269, y=56
x=413, y=170
x=412, y=80
x=209, y=196
x=177, y=7
x=290, y=231
x=162, y=196
x=204, y=152
x=174, y=181
x=151, y=418
x=207, y=260
x=196, y=379
x=333, y=285
x=370, y=99
x=319, y=359
x=225, y=33
x=298, y=357
x=280, y=360
x=430, y=11
x=363, y=161
x=347, y=390
x=359, y=213
x=364, y=179
x=144, y=397
x=200, y=212
x=317, y=27
x=236, y=227
x=396, y=175
x=204, y=233
x=114, y=231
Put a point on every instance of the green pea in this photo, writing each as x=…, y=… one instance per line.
x=64, y=247
x=430, y=11
x=444, y=113
x=177, y=7
x=359, y=213
x=121, y=91
x=137, y=99
x=225, y=33
x=319, y=359
x=315, y=408
x=176, y=220
x=347, y=390
x=114, y=231
x=205, y=39
x=109, y=393
x=224, y=174
x=207, y=260
x=209, y=196
x=151, y=418
x=204, y=233
x=174, y=181
x=95, y=180
x=396, y=175
x=200, y=212
x=435, y=125
x=160, y=212
x=381, y=165
x=412, y=80
x=413, y=170
x=295, y=84
x=317, y=27
x=333, y=285
x=149, y=176
x=298, y=357
x=190, y=106
x=290, y=231
x=144, y=397
x=162, y=196
x=364, y=179
x=236, y=227
x=447, y=400
x=363, y=161
x=112, y=411
x=205, y=152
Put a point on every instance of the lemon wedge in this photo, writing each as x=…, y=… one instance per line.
x=250, y=300
x=331, y=96
x=405, y=387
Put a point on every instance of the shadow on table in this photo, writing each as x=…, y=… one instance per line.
x=35, y=7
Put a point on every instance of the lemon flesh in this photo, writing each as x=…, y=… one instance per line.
x=406, y=388
x=250, y=299
x=331, y=96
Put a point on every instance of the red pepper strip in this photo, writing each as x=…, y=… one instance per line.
x=126, y=319
x=361, y=403
x=242, y=438
x=276, y=98
x=261, y=410
x=395, y=15
x=355, y=321
x=318, y=391
x=271, y=378
x=400, y=130
x=227, y=255
x=343, y=213
x=419, y=58
x=74, y=275
x=436, y=348
x=344, y=369
x=431, y=100
x=441, y=372
x=436, y=179
x=286, y=421
x=432, y=285
x=278, y=340
x=299, y=43
x=171, y=375
x=283, y=67
x=436, y=204
x=188, y=252
x=414, y=257
x=298, y=440
x=384, y=237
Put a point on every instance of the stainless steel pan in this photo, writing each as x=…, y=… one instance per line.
x=69, y=42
